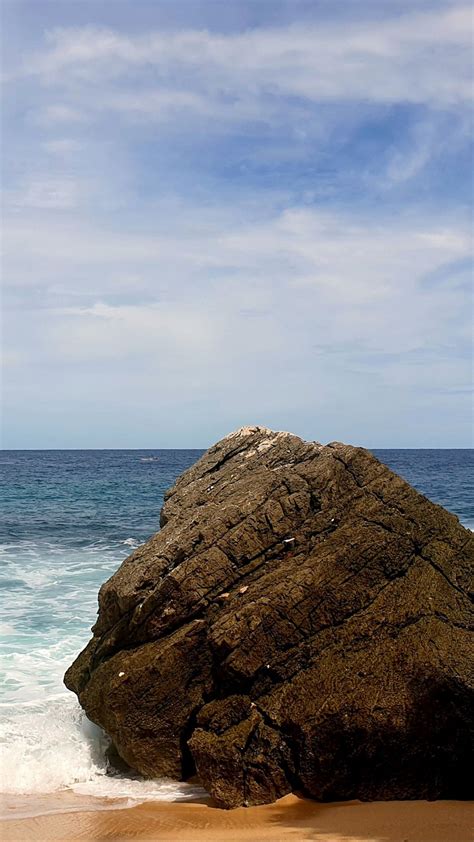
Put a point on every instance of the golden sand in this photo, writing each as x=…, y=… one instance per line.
x=291, y=818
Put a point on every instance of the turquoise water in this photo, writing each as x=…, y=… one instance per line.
x=68, y=519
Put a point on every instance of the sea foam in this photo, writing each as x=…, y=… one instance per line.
x=51, y=746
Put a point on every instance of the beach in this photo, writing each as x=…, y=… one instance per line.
x=289, y=818
x=53, y=761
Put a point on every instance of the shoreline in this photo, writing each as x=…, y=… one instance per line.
x=292, y=817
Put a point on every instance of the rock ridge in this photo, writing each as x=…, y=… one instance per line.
x=302, y=620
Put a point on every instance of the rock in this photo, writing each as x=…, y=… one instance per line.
x=301, y=621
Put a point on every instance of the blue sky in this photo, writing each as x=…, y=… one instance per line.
x=217, y=214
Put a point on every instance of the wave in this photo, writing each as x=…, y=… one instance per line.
x=50, y=746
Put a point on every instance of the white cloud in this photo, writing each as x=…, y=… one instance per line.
x=12, y=359
x=430, y=138
x=297, y=245
x=302, y=315
x=63, y=147
x=419, y=57
x=156, y=104
x=128, y=332
x=315, y=278
x=58, y=113
x=48, y=193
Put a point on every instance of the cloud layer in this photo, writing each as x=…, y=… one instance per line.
x=415, y=58
x=205, y=228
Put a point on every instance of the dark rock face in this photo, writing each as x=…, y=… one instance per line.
x=301, y=621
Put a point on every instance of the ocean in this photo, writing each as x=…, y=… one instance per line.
x=68, y=518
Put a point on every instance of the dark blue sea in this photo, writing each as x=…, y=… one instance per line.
x=68, y=518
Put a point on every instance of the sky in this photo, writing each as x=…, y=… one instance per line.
x=226, y=213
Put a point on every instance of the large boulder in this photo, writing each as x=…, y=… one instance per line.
x=301, y=621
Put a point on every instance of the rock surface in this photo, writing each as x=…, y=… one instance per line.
x=301, y=621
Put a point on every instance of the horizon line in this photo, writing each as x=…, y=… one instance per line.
x=101, y=449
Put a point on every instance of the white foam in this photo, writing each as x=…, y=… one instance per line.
x=47, y=746
x=32, y=666
x=51, y=746
x=38, y=579
x=131, y=542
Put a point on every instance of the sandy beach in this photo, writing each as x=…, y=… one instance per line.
x=290, y=818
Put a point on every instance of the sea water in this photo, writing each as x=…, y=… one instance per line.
x=68, y=519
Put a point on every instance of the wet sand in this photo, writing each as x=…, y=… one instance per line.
x=291, y=818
